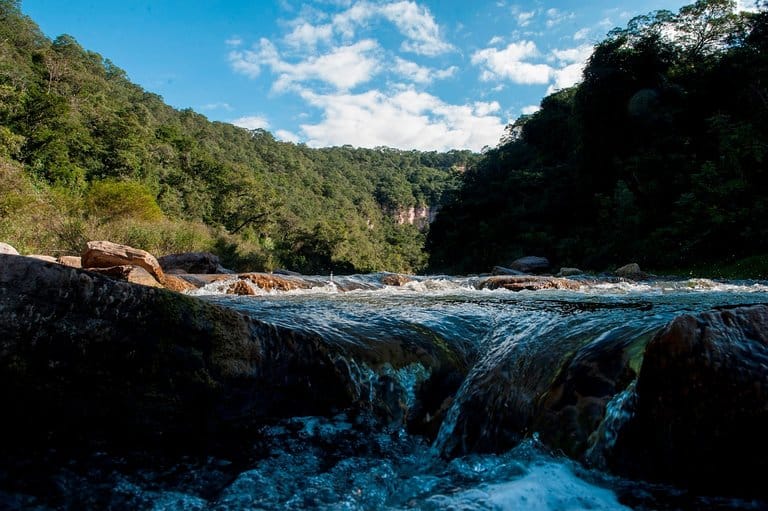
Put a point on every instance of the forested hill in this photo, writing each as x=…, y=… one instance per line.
x=86, y=154
x=659, y=156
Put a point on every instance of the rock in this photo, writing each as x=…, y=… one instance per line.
x=569, y=272
x=105, y=254
x=71, y=261
x=501, y=270
x=191, y=262
x=527, y=282
x=5, y=248
x=631, y=271
x=87, y=360
x=530, y=264
x=240, y=288
x=178, y=284
x=701, y=405
x=395, y=279
x=46, y=258
x=132, y=274
x=270, y=282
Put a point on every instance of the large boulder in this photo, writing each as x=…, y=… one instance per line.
x=85, y=358
x=530, y=264
x=700, y=411
x=71, y=261
x=631, y=271
x=5, y=248
x=105, y=254
x=191, y=262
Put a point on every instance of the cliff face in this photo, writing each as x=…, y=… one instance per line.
x=420, y=216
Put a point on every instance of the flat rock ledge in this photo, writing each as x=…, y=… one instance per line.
x=84, y=358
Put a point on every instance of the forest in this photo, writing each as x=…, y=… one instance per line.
x=86, y=154
x=658, y=156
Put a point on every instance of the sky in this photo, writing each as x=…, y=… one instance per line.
x=410, y=74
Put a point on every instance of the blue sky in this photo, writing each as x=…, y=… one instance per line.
x=430, y=75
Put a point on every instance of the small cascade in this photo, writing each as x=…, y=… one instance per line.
x=617, y=413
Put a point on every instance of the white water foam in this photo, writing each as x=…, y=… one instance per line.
x=546, y=487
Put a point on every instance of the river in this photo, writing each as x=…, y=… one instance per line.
x=349, y=461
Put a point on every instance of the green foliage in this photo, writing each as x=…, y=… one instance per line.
x=110, y=200
x=658, y=156
x=111, y=160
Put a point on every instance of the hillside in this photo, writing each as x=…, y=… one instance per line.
x=85, y=153
x=658, y=156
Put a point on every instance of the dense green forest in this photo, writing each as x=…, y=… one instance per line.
x=86, y=154
x=659, y=156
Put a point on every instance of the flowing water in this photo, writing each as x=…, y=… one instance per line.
x=348, y=461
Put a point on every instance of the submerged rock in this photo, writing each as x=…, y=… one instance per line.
x=269, y=282
x=701, y=404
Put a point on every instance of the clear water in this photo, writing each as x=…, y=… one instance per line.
x=347, y=462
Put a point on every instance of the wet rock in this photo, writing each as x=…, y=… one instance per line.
x=191, y=262
x=569, y=272
x=701, y=404
x=281, y=271
x=269, y=282
x=631, y=271
x=530, y=264
x=105, y=254
x=5, y=248
x=132, y=274
x=178, y=284
x=71, y=261
x=240, y=288
x=395, y=279
x=41, y=257
x=527, y=282
x=84, y=358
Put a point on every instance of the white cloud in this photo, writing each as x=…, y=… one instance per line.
x=343, y=67
x=524, y=18
x=556, y=16
x=233, y=41
x=252, y=122
x=405, y=119
x=495, y=40
x=287, y=136
x=582, y=34
x=510, y=63
x=309, y=35
x=419, y=27
x=421, y=74
x=579, y=54
x=746, y=5
x=530, y=109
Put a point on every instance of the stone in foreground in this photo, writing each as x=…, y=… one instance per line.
x=105, y=254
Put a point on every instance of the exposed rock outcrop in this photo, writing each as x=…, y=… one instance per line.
x=5, y=248
x=240, y=288
x=191, y=262
x=71, y=261
x=395, y=279
x=631, y=271
x=105, y=254
x=527, y=282
x=132, y=274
